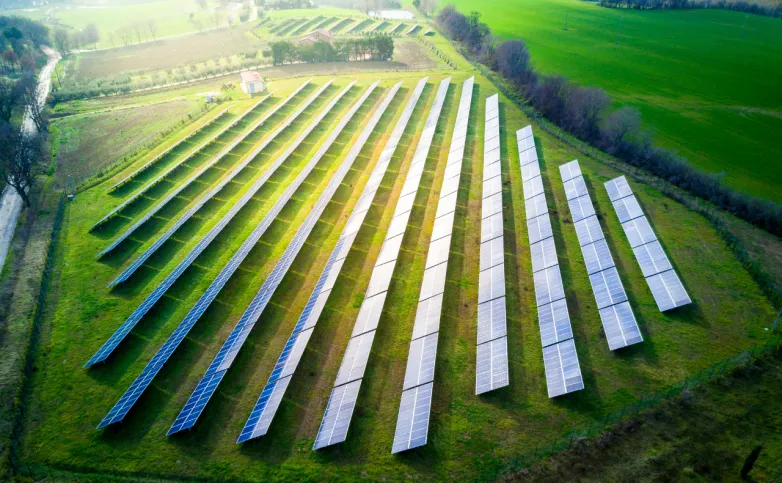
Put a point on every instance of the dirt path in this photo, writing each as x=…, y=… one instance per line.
x=11, y=202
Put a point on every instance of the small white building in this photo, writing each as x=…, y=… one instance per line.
x=252, y=82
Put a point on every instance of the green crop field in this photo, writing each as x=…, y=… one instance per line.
x=706, y=90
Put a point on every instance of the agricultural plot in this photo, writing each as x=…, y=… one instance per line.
x=341, y=25
x=323, y=245
x=307, y=26
x=325, y=23
x=359, y=27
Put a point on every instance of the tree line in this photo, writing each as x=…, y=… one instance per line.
x=374, y=47
x=768, y=10
x=588, y=114
x=22, y=150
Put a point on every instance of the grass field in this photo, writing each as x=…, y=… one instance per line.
x=705, y=89
x=468, y=434
x=173, y=17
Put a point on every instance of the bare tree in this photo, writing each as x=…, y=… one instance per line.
x=428, y=7
x=62, y=41
x=125, y=35
x=91, y=35
x=21, y=159
x=137, y=28
x=10, y=96
x=152, y=25
x=111, y=38
x=32, y=103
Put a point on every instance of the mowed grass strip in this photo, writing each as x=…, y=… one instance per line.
x=469, y=434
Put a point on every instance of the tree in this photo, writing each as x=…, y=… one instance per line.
x=10, y=96
x=90, y=35
x=513, y=62
x=32, y=103
x=20, y=159
x=62, y=41
x=137, y=28
x=619, y=126
x=125, y=35
x=427, y=7
x=152, y=25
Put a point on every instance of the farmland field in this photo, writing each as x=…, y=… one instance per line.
x=469, y=436
x=706, y=90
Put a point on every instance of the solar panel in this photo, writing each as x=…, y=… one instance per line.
x=563, y=373
x=554, y=321
x=491, y=205
x=652, y=258
x=627, y=208
x=607, y=288
x=544, y=254
x=412, y=425
x=668, y=290
x=492, y=186
x=664, y=283
x=174, y=146
x=491, y=320
x=575, y=188
x=354, y=362
x=423, y=346
x=620, y=326
x=491, y=283
x=492, y=366
x=234, y=172
x=263, y=412
x=618, y=188
x=638, y=231
x=597, y=256
x=569, y=171
x=119, y=335
x=581, y=208
x=162, y=176
x=491, y=171
x=529, y=156
x=539, y=228
x=491, y=227
x=535, y=206
x=533, y=187
x=589, y=230
x=336, y=420
x=443, y=226
x=420, y=361
x=548, y=285
x=529, y=171
x=427, y=316
x=224, y=358
x=434, y=281
x=381, y=274
x=369, y=315
x=492, y=253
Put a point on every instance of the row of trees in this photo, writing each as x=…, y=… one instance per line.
x=769, y=9
x=588, y=113
x=21, y=143
x=374, y=47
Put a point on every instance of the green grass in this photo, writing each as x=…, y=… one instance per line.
x=704, y=90
x=468, y=434
x=173, y=17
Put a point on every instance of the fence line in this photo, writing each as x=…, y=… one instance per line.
x=512, y=464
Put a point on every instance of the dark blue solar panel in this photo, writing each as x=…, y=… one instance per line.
x=113, y=341
x=168, y=150
x=247, y=160
x=163, y=175
x=253, y=427
x=236, y=339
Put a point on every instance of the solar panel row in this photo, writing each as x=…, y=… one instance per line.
x=159, y=206
x=122, y=407
x=560, y=360
x=174, y=146
x=617, y=316
x=271, y=396
x=339, y=411
x=491, y=371
x=128, y=272
x=137, y=195
x=124, y=329
x=666, y=287
x=227, y=353
x=423, y=346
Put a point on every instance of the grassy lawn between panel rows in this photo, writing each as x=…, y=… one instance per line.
x=467, y=433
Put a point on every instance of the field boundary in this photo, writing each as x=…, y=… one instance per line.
x=560, y=442
x=30, y=351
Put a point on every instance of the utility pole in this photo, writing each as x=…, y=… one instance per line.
x=619, y=30
x=566, y=15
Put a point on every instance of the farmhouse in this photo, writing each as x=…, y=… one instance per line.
x=320, y=35
x=252, y=82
